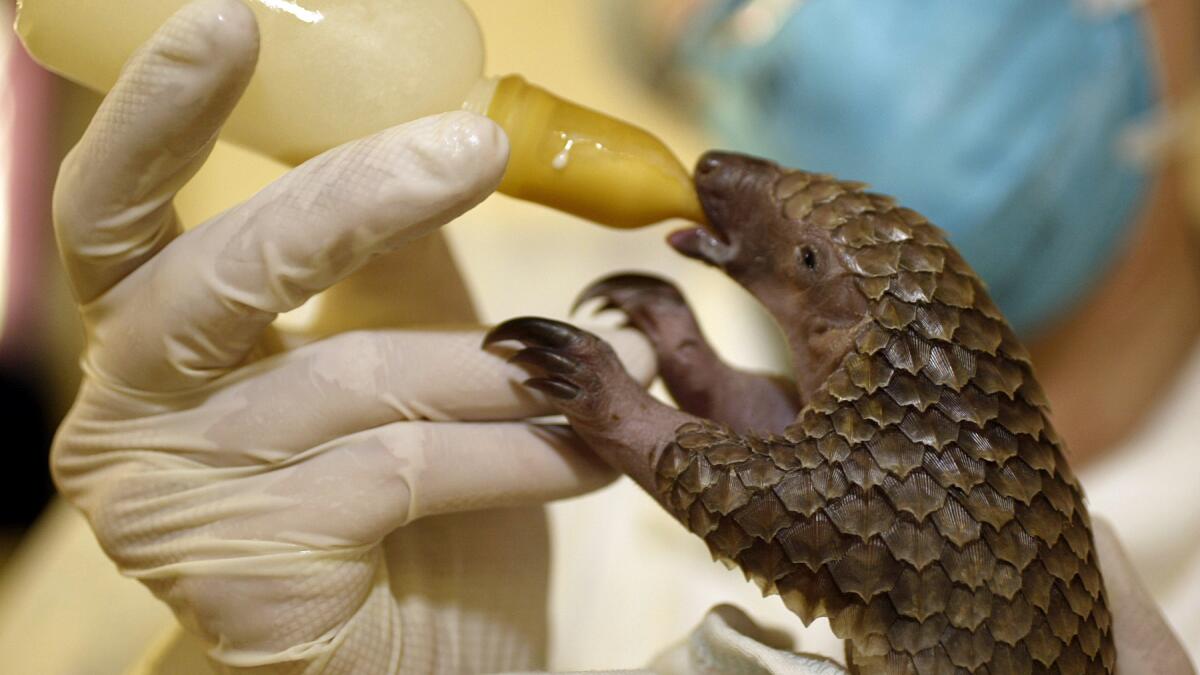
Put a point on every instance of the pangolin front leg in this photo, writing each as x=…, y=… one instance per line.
x=627, y=427
x=697, y=378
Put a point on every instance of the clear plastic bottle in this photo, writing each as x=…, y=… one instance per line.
x=334, y=70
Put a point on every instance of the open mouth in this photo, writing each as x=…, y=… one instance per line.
x=707, y=243
x=698, y=243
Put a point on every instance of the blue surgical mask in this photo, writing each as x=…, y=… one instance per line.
x=1002, y=121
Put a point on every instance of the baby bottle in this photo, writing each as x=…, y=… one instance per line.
x=333, y=70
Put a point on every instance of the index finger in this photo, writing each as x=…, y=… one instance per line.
x=112, y=203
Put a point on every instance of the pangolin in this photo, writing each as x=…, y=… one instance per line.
x=909, y=486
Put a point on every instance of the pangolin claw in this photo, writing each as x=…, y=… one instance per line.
x=552, y=386
x=622, y=291
x=546, y=359
x=533, y=331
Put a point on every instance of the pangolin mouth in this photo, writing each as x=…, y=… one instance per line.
x=699, y=244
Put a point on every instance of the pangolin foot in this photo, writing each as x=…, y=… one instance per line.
x=578, y=370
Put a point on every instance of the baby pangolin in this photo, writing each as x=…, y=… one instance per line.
x=908, y=486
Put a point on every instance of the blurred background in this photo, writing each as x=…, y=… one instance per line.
x=1084, y=228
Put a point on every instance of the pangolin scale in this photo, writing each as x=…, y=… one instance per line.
x=921, y=501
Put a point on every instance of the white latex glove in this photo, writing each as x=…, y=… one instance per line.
x=271, y=501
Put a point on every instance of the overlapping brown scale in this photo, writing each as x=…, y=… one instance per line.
x=917, y=494
x=764, y=562
x=851, y=426
x=968, y=609
x=901, y=354
x=949, y=365
x=797, y=493
x=700, y=520
x=997, y=376
x=875, y=261
x=1060, y=561
x=971, y=565
x=913, y=391
x=930, y=427
x=1036, y=584
x=799, y=206
x=812, y=542
x=811, y=594
x=880, y=409
x=1071, y=661
x=872, y=339
x=826, y=217
x=955, y=290
x=870, y=619
x=1040, y=456
x=725, y=493
x=919, y=545
x=1063, y=622
x=956, y=525
x=1005, y=581
x=728, y=540
x=866, y=569
x=861, y=470
x=969, y=405
x=913, y=287
x=893, y=314
x=1078, y=598
x=988, y=506
x=673, y=462
x=1089, y=637
x=920, y=594
x=873, y=287
x=829, y=482
x=1012, y=544
x=763, y=517
x=1017, y=480
x=914, y=637
x=954, y=468
x=936, y=322
x=1011, y=619
x=758, y=473
x=1020, y=419
x=968, y=649
x=1011, y=346
x=868, y=374
x=915, y=257
x=1041, y=520
x=887, y=226
x=1061, y=497
x=978, y=333
x=1006, y=659
x=861, y=514
x=793, y=182
x=697, y=476
x=855, y=232
x=802, y=455
x=897, y=454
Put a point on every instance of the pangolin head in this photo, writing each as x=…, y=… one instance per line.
x=826, y=258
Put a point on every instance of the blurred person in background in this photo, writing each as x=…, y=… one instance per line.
x=1045, y=138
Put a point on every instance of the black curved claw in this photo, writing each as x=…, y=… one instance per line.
x=532, y=330
x=552, y=386
x=617, y=289
x=547, y=360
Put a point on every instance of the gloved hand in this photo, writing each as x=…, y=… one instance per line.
x=273, y=502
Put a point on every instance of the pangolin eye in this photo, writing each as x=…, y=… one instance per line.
x=808, y=257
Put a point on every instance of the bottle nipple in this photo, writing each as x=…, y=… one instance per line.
x=586, y=163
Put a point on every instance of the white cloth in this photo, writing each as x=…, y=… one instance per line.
x=1149, y=489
